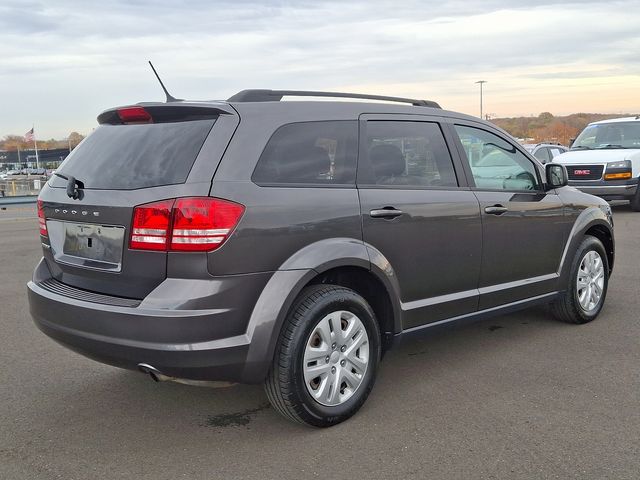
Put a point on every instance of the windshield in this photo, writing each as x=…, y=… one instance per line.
x=127, y=157
x=609, y=135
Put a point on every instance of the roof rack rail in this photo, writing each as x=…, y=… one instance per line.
x=276, y=95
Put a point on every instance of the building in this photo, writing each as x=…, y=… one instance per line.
x=49, y=159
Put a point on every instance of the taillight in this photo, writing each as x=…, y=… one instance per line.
x=41, y=220
x=203, y=224
x=151, y=223
x=195, y=224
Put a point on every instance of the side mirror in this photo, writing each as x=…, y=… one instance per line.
x=556, y=175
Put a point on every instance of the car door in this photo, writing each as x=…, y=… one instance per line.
x=524, y=229
x=419, y=214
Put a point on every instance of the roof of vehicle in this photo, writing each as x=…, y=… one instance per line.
x=255, y=100
x=616, y=120
x=542, y=144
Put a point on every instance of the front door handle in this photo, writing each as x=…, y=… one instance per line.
x=496, y=210
x=386, y=212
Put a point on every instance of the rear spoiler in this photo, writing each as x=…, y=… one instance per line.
x=162, y=112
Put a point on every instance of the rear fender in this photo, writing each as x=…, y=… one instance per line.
x=285, y=285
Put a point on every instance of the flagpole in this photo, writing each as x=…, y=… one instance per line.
x=35, y=144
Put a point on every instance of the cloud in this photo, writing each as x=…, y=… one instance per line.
x=63, y=62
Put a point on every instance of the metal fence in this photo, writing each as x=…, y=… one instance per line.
x=21, y=186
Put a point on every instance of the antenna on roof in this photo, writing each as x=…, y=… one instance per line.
x=170, y=98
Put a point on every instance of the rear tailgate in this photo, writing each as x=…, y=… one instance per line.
x=119, y=167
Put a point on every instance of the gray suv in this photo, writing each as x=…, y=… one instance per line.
x=257, y=240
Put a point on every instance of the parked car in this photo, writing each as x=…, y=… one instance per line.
x=241, y=241
x=545, y=152
x=604, y=160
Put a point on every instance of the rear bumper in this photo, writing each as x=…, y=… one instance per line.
x=609, y=190
x=205, y=343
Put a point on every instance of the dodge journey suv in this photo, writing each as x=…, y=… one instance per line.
x=292, y=243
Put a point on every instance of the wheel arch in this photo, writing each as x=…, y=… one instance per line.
x=594, y=221
x=341, y=261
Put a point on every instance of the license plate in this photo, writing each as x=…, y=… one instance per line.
x=93, y=242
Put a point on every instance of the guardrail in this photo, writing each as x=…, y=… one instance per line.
x=22, y=185
x=17, y=200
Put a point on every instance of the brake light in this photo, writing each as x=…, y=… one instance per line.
x=134, y=115
x=151, y=223
x=41, y=220
x=195, y=224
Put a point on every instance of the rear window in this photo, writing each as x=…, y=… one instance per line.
x=127, y=157
x=321, y=153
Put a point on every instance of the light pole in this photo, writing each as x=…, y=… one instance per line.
x=481, y=82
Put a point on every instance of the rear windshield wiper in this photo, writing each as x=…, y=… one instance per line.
x=73, y=185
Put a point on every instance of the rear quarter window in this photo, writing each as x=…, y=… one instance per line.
x=128, y=157
x=319, y=153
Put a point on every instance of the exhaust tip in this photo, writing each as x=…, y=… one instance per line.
x=149, y=370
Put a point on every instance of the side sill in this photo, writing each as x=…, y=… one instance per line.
x=475, y=316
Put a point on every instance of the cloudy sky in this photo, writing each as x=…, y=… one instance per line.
x=62, y=62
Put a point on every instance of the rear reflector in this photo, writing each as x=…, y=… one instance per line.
x=196, y=224
x=134, y=115
x=41, y=220
x=617, y=176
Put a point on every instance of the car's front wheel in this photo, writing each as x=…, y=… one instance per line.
x=326, y=358
x=588, y=282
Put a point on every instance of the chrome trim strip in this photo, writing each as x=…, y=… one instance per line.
x=506, y=307
x=517, y=283
x=427, y=302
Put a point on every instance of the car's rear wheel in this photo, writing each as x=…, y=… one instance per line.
x=326, y=358
x=589, y=278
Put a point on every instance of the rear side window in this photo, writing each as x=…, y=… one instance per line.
x=542, y=154
x=127, y=157
x=405, y=153
x=310, y=153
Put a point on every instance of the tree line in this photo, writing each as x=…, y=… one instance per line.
x=547, y=128
x=12, y=143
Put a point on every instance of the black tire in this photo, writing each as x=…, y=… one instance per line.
x=567, y=307
x=635, y=200
x=285, y=385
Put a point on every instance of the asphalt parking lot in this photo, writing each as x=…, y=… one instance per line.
x=516, y=397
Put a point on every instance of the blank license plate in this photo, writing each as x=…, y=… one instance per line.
x=93, y=242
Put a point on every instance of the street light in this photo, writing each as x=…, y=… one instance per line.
x=481, y=82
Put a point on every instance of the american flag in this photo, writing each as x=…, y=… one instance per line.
x=29, y=136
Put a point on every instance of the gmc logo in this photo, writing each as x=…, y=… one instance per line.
x=581, y=172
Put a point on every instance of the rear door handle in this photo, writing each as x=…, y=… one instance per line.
x=386, y=212
x=496, y=210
